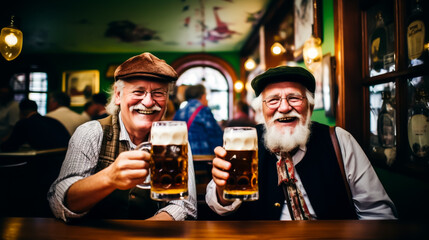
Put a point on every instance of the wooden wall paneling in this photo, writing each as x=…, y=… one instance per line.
x=348, y=53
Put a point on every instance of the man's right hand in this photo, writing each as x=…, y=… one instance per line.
x=220, y=173
x=129, y=169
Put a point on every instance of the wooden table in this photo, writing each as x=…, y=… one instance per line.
x=18, y=158
x=49, y=228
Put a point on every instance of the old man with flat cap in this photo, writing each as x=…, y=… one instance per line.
x=301, y=174
x=100, y=172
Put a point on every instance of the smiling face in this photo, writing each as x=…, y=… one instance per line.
x=285, y=116
x=138, y=108
x=287, y=127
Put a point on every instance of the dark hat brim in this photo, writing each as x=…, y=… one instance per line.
x=284, y=74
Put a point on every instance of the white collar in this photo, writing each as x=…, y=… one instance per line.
x=123, y=134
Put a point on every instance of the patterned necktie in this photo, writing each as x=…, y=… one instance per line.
x=295, y=201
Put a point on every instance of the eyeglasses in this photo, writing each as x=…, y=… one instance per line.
x=156, y=95
x=275, y=101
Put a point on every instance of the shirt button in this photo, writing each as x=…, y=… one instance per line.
x=277, y=204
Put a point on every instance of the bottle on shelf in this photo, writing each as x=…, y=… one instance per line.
x=418, y=123
x=378, y=45
x=417, y=36
x=386, y=123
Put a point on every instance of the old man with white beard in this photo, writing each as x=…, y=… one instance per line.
x=101, y=170
x=299, y=176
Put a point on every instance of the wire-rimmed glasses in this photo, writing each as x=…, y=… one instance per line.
x=157, y=95
x=293, y=100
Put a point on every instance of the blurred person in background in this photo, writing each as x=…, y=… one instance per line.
x=204, y=131
x=9, y=112
x=241, y=117
x=95, y=108
x=99, y=103
x=59, y=109
x=89, y=111
x=35, y=131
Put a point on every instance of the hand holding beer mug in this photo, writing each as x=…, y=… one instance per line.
x=145, y=146
x=241, y=145
x=169, y=160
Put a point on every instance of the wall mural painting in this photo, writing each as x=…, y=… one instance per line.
x=209, y=33
x=195, y=21
x=128, y=31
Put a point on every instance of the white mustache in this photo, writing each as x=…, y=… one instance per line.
x=142, y=107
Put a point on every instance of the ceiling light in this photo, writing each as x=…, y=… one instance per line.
x=249, y=64
x=277, y=48
x=312, y=53
x=238, y=86
x=10, y=41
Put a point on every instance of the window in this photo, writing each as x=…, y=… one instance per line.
x=218, y=76
x=216, y=88
x=33, y=85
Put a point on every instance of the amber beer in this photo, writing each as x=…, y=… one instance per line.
x=169, y=160
x=241, y=145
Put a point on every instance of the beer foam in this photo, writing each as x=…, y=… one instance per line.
x=240, y=140
x=169, y=135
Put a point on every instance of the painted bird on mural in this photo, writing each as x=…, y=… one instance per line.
x=221, y=31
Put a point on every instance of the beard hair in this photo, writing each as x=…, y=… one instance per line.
x=287, y=138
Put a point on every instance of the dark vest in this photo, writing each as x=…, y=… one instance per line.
x=319, y=172
x=129, y=204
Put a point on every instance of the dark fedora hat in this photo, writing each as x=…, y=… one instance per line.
x=284, y=74
x=145, y=66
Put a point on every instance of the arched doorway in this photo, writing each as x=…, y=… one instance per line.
x=215, y=74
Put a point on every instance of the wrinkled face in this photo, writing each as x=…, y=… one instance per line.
x=285, y=117
x=137, y=104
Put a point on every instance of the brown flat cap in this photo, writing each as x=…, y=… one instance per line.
x=145, y=66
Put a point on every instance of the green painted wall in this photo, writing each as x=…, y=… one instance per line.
x=328, y=46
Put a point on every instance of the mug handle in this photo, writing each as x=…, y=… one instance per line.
x=145, y=146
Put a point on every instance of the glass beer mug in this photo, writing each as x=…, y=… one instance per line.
x=168, y=161
x=241, y=145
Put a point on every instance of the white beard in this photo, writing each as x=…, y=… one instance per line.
x=287, y=138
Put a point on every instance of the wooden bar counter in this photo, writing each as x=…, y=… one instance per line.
x=50, y=228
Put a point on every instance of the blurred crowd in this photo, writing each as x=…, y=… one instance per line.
x=22, y=127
